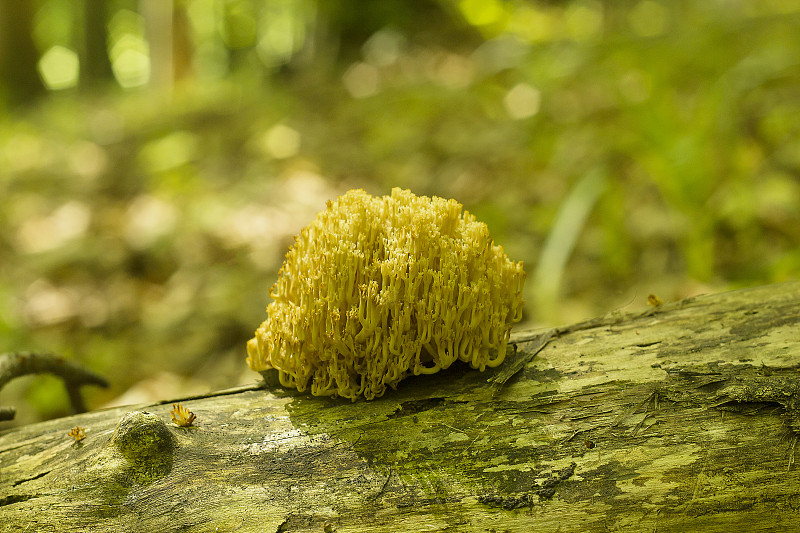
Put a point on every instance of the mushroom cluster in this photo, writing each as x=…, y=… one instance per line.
x=378, y=288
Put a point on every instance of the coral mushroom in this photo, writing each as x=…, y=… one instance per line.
x=378, y=288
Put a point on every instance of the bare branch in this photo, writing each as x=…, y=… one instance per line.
x=16, y=364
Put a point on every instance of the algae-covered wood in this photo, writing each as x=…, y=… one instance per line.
x=681, y=418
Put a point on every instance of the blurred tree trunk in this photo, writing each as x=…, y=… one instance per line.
x=18, y=54
x=169, y=39
x=344, y=27
x=158, y=26
x=182, y=44
x=95, y=63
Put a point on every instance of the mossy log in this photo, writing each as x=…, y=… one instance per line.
x=682, y=418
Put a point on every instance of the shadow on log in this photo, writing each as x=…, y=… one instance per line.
x=681, y=418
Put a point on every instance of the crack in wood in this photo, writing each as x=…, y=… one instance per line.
x=21, y=481
x=15, y=498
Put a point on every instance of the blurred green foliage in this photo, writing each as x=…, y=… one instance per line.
x=150, y=190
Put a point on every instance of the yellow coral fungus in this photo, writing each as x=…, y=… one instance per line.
x=181, y=416
x=78, y=433
x=378, y=288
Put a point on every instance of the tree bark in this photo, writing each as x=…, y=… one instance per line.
x=682, y=418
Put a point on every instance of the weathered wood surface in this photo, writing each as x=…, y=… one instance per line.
x=680, y=419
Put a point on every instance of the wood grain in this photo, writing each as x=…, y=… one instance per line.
x=681, y=418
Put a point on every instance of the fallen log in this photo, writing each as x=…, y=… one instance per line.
x=685, y=417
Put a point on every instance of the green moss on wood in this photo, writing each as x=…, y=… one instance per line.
x=140, y=451
x=146, y=444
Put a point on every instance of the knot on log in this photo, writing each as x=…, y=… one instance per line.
x=147, y=445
